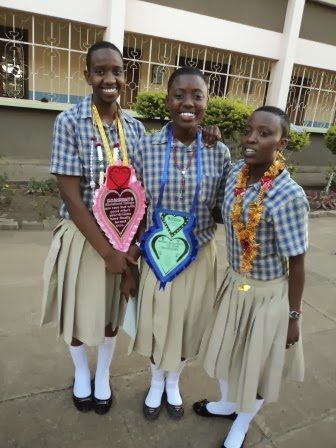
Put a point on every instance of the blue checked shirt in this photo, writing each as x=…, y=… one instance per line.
x=71, y=151
x=283, y=228
x=149, y=163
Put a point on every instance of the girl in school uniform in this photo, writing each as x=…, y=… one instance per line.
x=82, y=270
x=258, y=307
x=82, y=281
x=179, y=176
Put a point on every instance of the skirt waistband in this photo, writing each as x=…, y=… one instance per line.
x=253, y=282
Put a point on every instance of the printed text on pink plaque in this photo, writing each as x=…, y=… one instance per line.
x=120, y=207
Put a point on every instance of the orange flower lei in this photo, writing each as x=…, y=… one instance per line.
x=246, y=234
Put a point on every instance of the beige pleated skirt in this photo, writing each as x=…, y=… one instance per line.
x=79, y=294
x=171, y=321
x=244, y=343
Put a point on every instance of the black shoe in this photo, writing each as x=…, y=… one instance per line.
x=101, y=407
x=175, y=411
x=152, y=413
x=201, y=409
x=82, y=404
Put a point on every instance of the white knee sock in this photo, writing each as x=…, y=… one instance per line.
x=222, y=407
x=172, y=386
x=154, y=396
x=82, y=385
x=240, y=426
x=102, y=376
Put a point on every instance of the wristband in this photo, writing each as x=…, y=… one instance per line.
x=294, y=314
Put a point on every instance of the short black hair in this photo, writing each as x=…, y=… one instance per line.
x=284, y=119
x=186, y=71
x=98, y=46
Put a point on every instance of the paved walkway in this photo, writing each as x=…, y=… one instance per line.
x=35, y=370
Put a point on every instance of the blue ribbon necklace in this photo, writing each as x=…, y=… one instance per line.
x=169, y=245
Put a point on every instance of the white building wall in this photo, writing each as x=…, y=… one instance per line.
x=169, y=23
x=85, y=11
x=282, y=70
x=115, y=28
x=316, y=54
x=141, y=17
x=147, y=18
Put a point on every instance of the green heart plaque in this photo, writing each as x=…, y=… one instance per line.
x=173, y=223
x=168, y=252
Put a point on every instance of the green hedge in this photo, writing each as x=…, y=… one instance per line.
x=297, y=141
x=151, y=105
x=228, y=114
x=330, y=139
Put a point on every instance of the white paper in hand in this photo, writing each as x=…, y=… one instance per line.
x=129, y=325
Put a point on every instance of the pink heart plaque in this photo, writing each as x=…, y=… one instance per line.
x=119, y=206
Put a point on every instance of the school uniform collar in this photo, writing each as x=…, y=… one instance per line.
x=161, y=137
x=84, y=110
x=278, y=183
x=84, y=107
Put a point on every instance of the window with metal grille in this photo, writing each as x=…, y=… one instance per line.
x=43, y=58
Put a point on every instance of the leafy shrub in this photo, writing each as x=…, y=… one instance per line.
x=228, y=114
x=330, y=139
x=4, y=185
x=330, y=180
x=7, y=190
x=151, y=105
x=297, y=141
x=40, y=187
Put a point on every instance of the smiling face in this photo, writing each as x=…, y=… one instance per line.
x=106, y=76
x=187, y=101
x=262, y=139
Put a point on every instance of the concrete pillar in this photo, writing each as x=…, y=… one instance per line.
x=116, y=22
x=282, y=70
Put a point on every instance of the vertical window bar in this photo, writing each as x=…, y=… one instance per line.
x=317, y=99
x=14, y=55
x=178, y=55
x=332, y=119
x=150, y=63
x=297, y=107
x=227, y=76
x=249, y=82
x=204, y=60
x=33, y=57
x=69, y=61
x=51, y=58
